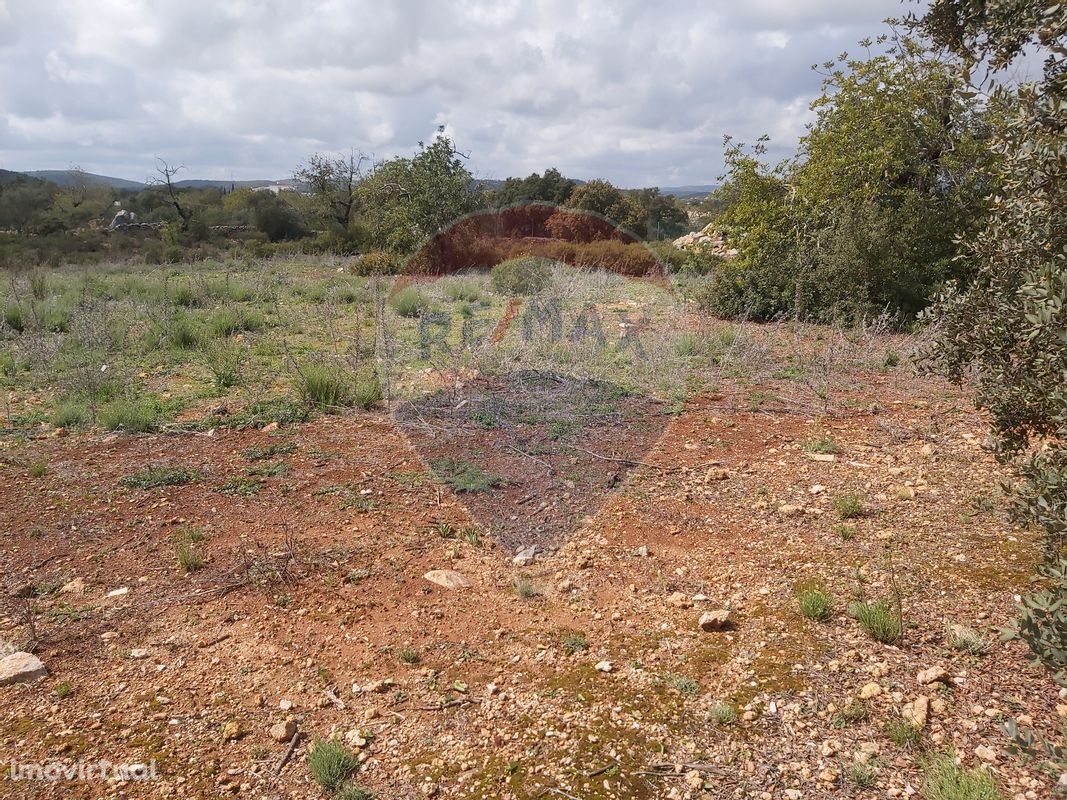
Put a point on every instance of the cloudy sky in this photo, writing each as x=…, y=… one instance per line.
x=640, y=92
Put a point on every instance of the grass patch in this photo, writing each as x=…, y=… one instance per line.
x=38, y=469
x=879, y=620
x=862, y=774
x=903, y=734
x=240, y=487
x=816, y=603
x=526, y=590
x=352, y=791
x=154, y=477
x=944, y=779
x=63, y=689
x=331, y=763
x=521, y=276
x=846, y=532
x=327, y=387
x=409, y=302
x=849, y=506
x=463, y=291
x=723, y=714
x=131, y=416
x=855, y=711
x=464, y=476
x=574, y=643
x=684, y=684
x=966, y=640
x=69, y=413
x=188, y=559
x=822, y=444
x=269, y=452
x=408, y=655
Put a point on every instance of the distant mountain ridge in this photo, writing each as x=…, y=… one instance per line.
x=66, y=177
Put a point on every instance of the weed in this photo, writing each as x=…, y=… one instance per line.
x=188, y=559
x=464, y=476
x=965, y=639
x=849, y=506
x=183, y=334
x=367, y=390
x=132, y=416
x=822, y=444
x=268, y=470
x=272, y=450
x=878, y=620
x=241, y=487
x=485, y=419
x=69, y=413
x=154, y=477
x=63, y=689
x=409, y=655
x=38, y=469
x=526, y=590
x=408, y=302
x=684, y=684
x=331, y=763
x=862, y=773
x=903, y=734
x=444, y=530
x=723, y=713
x=846, y=532
x=892, y=359
x=944, y=779
x=521, y=276
x=816, y=603
x=465, y=291
x=352, y=791
x=574, y=643
x=224, y=360
x=471, y=536
x=855, y=711
x=325, y=386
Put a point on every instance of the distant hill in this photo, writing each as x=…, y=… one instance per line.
x=7, y=176
x=695, y=190
x=65, y=177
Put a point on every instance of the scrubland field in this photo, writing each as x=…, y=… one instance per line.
x=290, y=532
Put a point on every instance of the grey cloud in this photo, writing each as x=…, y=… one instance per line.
x=635, y=91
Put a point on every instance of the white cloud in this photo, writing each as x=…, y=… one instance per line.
x=633, y=91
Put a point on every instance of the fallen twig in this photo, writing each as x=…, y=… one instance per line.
x=288, y=753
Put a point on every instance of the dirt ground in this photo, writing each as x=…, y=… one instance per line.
x=583, y=674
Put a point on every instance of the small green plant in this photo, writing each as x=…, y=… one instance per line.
x=268, y=470
x=409, y=302
x=240, y=487
x=271, y=451
x=881, y=621
x=63, y=689
x=849, y=506
x=966, y=640
x=352, y=791
x=156, y=476
x=846, y=532
x=485, y=419
x=324, y=385
x=903, y=734
x=471, y=536
x=862, y=773
x=224, y=361
x=463, y=291
x=464, y=476
x=855, y=711
x=367, y=390
x=892, y=359
x=526, y=590
x=944, y=779
x=131, y=416
x=574, y=643
x=69, y=413
x=822, y=444
x=816, y=603
x=521, y=276
x=331, y=763
x=38, y=469
x=188, y=559
x=684, y=684
x=723, y=714
x=408, y=655
x=183, y=334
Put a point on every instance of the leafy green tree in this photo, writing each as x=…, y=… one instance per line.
x=664, y=216
x=603, y=198
x=1007, y=328
x=551, y=187
x=864, y=217
x=272, y=215
x=407, y=200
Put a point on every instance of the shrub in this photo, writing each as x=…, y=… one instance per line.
x=464, y=476
x=1042, y=622
x=878, y=620
x=822, y=444
x=816, y=603
x=521, y=276
x=376, y=262
x=63, y=689
x=409, y=302
x=154, y=477
x=465, y=291
x=132, y=416
x=331, y=763
x=184, y=334
x=723, y=713
x=324, y=385
x=849, y=506
x=8, y=364
x=367, y=390
x=944, y=779
x=69, y=413
x=526, y=590
x=13, y=317
x=224, y=361
x=684, y=684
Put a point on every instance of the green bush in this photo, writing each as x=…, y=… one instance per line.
x=324, y=385
x=849, y=506
x=409, y=302
x=522, y=276
x=376, y=262
x=184, y=333
x=465, y=291
x=879, y=620
x=13, y=317
x=132, y=416
x=367, y=390
x=816, y=603
x=944, y=779
x=331, y=763
x=69, y=413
